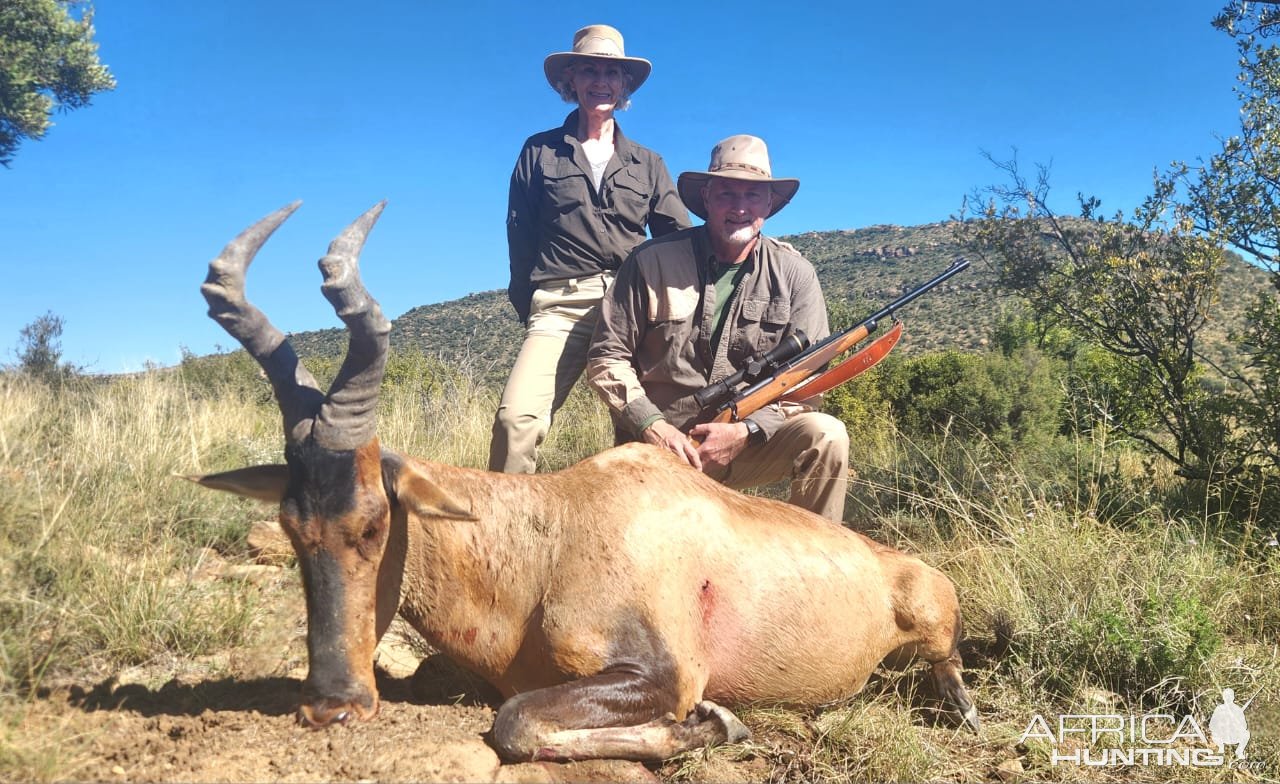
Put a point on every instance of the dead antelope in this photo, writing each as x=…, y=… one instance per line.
x=614, y=604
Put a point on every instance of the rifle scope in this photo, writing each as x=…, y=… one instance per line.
x=759, y=367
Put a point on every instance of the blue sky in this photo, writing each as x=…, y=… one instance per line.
x=227, y=110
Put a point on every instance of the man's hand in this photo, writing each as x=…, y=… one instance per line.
x=662, y=433
x=721, y=441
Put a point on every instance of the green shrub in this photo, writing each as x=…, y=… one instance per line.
x=1009, y=399
x=1134, y=646
x=862, y=406
x=216, y=375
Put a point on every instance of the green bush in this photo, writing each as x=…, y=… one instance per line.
x=1132, y=647
x=1107, y=388
x=1012, y=400
x=862, y=405
x=217, y=375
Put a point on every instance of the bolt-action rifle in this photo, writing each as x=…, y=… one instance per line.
x=794, y=370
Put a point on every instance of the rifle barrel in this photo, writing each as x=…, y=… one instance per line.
x=957, y=266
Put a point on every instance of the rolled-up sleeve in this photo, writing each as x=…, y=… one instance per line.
x=667, y=213
x=611, y=359
x=809, y=313
x=522, y=235
x=808, y=306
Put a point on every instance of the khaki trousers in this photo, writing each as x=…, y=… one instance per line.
x=562, y=317
x=812, y=450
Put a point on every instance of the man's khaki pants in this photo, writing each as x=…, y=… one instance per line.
x=561, y=319
x=812, y=450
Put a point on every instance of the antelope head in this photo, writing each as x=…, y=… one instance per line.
x=337, y=489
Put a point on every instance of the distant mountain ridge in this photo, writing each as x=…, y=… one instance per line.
x=864, y=268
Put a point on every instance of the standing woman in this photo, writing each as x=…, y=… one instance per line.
x=581, y=197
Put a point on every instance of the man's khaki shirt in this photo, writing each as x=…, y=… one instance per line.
x=560, y=226
x=652, y=345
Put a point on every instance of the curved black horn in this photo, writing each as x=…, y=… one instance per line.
x=347, y=417
x=296, y=389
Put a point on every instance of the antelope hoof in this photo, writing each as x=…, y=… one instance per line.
x=971, y=719
x=733, y=730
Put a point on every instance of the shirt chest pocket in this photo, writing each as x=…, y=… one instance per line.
x=630, y=199
x=672, y=303
x=668, y=336
x=564, y=188
x=762, y=322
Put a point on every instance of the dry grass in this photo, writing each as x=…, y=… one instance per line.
x=1065, y=607
x=98, y=539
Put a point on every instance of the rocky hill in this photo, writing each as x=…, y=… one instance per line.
x=862, y=268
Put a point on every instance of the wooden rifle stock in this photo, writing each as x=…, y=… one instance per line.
x=848, y=369
x=807, y=366
x=796, y=372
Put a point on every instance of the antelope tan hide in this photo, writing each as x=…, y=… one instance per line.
x=615, y=604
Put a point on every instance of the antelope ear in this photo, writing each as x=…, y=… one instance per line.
x=263, y=482
x=425, y=498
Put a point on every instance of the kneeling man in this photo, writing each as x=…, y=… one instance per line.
x=690, y=308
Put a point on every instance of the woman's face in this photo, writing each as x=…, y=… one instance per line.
x=598, y=84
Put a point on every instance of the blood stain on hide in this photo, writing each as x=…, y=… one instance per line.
x=707, y=601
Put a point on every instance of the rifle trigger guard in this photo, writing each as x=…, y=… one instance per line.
x=733, y=411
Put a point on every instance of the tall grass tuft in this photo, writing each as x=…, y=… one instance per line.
x=97, y=527
x=99, y=538
x=1079, y=600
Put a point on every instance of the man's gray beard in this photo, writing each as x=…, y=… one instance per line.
x=743, y=235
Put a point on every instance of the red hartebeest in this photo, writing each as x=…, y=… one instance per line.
x=610, y=603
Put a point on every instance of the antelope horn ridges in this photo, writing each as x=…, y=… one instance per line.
x=347, y=417
x=295, y=388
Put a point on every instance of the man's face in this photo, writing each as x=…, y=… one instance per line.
x=736, y=209
x=598, y=84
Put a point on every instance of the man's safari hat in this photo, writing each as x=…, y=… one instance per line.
x=600, y=41
x=740, y=157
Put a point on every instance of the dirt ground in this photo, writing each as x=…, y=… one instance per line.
x=231, y=717
x=232, y=730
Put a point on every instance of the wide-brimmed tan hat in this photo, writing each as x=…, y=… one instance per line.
x=740, y=157
x=600, y=41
